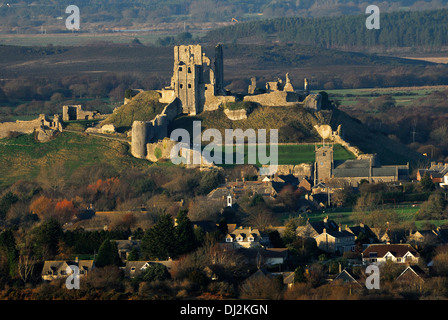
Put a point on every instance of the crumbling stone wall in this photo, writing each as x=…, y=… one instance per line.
x=326, y=132
x=275, y=99
x=313, y=101
x=75, y=112
x=28, y=127
x=303, y=170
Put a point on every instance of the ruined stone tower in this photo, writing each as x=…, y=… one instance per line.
x=188, y=76
x=196, y=82
x=219, y=71
x=324, y=164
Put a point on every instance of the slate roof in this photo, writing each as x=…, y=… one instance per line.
x=361, y=168
x=346, y=277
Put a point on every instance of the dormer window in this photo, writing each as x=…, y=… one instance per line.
x=229, y=239
x=251, y=239
x=239, y=238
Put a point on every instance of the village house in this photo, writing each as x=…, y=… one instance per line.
x=336, y=241
x=413, y=277
x=57, y=269
x=438, y=172
x=313, y=229
x=133, y=269
x=245, y=238
x=345, y=276
x=329, y=236
x=287, y=277
x=264, y=257
x=230, y=193
x=398, y=253
x=125, y=247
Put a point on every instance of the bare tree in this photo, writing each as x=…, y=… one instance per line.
x=25, y=267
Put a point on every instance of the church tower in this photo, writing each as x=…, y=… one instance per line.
x=324, y=164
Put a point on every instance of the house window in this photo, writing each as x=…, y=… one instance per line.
x=181, y=85
x=180, y=68
x=189, y=85
x=189, y=70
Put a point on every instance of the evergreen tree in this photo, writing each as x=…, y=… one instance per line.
x=159, y=242
x=426, y=182
x=107, y=254
x=184, y=232
x=8, y=248
x=47, y=239
x=299, y=275
x=156, y=272
x=134, y=255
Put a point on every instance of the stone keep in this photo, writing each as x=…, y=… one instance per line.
x=196, y=82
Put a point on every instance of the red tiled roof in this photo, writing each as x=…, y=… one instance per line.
x=398, y=250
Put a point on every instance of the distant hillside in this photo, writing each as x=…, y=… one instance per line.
x=397, y=29
x=144, y=106
x=107, y=14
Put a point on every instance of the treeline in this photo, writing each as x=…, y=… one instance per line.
x=32, y=96
x=34, y=14
x=397, y=29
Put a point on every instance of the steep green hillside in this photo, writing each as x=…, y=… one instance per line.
x=296, y=125
x=23, y=158
x=144, y=106
x=369, y=141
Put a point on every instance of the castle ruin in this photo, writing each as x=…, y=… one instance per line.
x=197, y=85
x=196, y=82
x=75, y=112
x=42, y=125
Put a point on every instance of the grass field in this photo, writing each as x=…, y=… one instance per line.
x=292, y=154
x=405, y=213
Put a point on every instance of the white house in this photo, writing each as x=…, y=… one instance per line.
x=398, y=253
x=246, y=238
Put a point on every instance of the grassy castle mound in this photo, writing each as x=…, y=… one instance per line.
x=144, y=106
